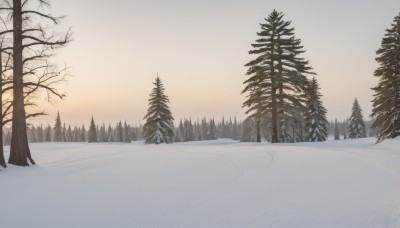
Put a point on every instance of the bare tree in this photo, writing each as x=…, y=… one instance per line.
x=34, y=43
x=5, y=66
x=2, y=160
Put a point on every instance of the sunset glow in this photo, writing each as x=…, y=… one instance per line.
x=199, y=50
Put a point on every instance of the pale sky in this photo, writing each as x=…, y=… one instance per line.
x=199, y=49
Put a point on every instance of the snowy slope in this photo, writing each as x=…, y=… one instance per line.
x=222, y=183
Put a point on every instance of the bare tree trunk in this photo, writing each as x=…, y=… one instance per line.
x=2, y=160
x=19, y=150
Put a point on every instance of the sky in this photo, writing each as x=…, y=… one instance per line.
x=199, y=48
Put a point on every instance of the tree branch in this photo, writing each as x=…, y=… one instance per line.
x=47, y=16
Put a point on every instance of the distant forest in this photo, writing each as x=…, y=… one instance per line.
x=187, y=130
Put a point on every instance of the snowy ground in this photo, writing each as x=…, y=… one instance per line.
x=221, y=183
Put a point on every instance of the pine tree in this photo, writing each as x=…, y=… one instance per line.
x=316, y=124
x=64, y=133
x=97, y=132
x=222, y=133
x=58, y=129
x=331, y=128
x=48, y=134
x=104, y=137
x=33, y=134
x=159, y=120
x=356, y=126
x=82, y=137
x=76, y=134
x=235, y=129
x=277, y=77
x=299, y=123
x=110, y=134
x=345, y=130
x=120, y=132
x=204, y=128
x=386, y=102
x=199, y=136
x=177, y=136
x=70, y=135
x=188, y=133
x=337, y=136
x=180, y=132
x=247, y=130
x=212, y=133
x=92, y=132
x=229, y=129
x=127, y=133
x=134, y=135
x=40, y=134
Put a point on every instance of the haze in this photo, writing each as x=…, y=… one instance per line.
x=199, y=49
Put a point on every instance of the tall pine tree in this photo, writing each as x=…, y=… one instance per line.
x=386, y=102
x=356, y=125
x=277, y=77
x=316, y=122
x=159, y=121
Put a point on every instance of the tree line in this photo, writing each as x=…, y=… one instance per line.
x=185, y=131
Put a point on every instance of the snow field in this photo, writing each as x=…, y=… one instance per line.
x=351, y=183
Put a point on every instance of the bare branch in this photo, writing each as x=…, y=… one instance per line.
x=35, y=115
x=5, y=32
x=41, y=55
x=47, y=16
x=62, y=42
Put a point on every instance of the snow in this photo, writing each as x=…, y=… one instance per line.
x=221, y=183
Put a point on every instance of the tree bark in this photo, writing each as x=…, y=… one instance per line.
x=274, y=114
x=2, y=160
x=274, y=138
x=19, y=150
x=281, y=112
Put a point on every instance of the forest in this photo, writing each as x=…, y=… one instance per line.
x=283, y=100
